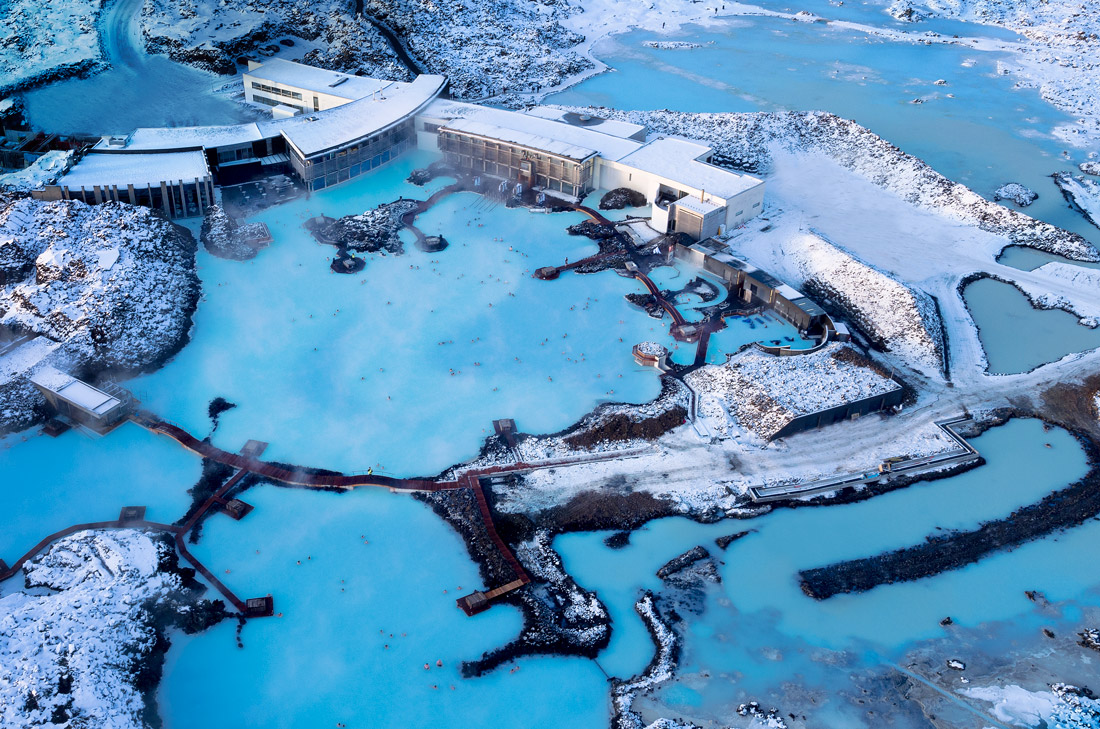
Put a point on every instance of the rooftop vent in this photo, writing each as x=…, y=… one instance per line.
x=338, y=81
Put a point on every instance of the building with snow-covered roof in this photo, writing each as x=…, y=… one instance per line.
x=689, y=194
x=279, y=82
x=179, y=183
x=80, y=402
x=573, y=154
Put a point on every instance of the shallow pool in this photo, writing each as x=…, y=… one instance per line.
x=1016, y=336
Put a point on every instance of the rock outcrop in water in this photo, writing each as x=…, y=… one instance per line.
x=85, y=640
x=113, y=286
x=1017, y=193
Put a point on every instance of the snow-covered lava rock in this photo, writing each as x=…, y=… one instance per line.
x=899, y=318
x=113, y=284
x=47, y=41
x=1017, y=193
x=765, y=392
x=78, y=642
x=1082, y=193
x=484, y=49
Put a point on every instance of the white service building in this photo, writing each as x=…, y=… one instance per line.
x=571, y=154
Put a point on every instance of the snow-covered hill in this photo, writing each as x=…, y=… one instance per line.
x=74, y=642
x=113, y=283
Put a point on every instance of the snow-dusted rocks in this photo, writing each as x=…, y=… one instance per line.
x=43, y=171
x=750, y=141
x=899, y=318
x=660, y=669
x=212, y=34
x=47, y=41
x=73, y=647
x=1082, y=193
x=488, y=48
x=672, y=45
x=1017, y=193
x=224, y=237
x=484, y=49
x=114, y=283
x=766, y=393
x=1090, y=168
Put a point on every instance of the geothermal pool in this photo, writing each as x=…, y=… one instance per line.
x=1016, y=336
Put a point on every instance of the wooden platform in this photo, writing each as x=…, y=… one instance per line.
x=131, y=513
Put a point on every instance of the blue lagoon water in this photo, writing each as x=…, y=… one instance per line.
x=48, y=484
x=1016, y=336
x=404, y=366
x=376, y=569
x=759, y=630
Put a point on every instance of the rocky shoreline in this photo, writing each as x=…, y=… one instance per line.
x=1057, y=511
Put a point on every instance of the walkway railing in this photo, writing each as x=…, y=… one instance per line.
x=963, y=453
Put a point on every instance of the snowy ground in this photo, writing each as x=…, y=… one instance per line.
x=71, y=640
x=43, y=39
x=44, y=171
x=114, y=283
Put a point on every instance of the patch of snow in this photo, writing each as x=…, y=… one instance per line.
x=1081, y=192
x=85, y=627
x=43, y=171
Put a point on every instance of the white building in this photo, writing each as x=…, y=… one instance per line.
x=570, y=154
x=179, y=183
x=304, y=88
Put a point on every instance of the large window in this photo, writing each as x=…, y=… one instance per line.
x=278, y=92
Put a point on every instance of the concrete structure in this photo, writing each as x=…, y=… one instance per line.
x=304, y=88
x=571, y=154
x=80, y=402
x=329, y=127
x=179, y=183
x=754, y=286
x=847, y=411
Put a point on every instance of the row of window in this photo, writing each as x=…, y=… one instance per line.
x=276, y=102
x=342, y=175
x=278, y=92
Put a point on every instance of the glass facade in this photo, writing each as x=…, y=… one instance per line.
x=513, y=162
x=354, y=158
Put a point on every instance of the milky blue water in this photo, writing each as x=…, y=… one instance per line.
x=1017, y=337
x=988, y=134
x=403, y=367
x=348, y=372
x=1028, y=259
x=760, y=613
x=48, y=484
x=376, y=569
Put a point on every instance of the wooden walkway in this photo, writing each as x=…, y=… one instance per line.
x=246, y=464
x=279, y=473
